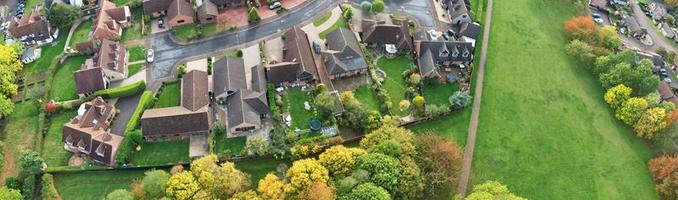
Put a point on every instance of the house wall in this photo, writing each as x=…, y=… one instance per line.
x=207, y=19
x=348, y=74
x=180, y=20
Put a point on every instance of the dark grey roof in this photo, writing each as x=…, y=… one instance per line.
x=208, y=8
x=456, y=51
x=427, y=64
x=343, y=52
x=380, y=32
x=229, y=74
x=243, y=105
x=151, y=6
x=470, y=30
x=194, y=90
x=457, y=8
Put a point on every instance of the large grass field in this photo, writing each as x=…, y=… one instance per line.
x=170, y=96
x=94, y=185
x=544, y=129
x=53, y=148
x=18, y=135
x=81, y=34
x=63, y=84
x=162, y=152
x=395, y=83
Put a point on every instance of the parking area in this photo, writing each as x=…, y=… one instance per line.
x=155, y=26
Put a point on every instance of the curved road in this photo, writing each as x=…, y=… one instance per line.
x=169, y=54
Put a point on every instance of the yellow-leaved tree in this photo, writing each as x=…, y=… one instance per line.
x=303, y=174
x=182, y=186
x=9, y=65
x=617, y=95
x=339, y=159
x=650, y=123
x=218, y=181
x=271, y=187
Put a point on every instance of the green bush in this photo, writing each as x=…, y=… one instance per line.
x=134, y=136
x=146, y=101
x=123, y=91
x=48, y=190
x=27, y=187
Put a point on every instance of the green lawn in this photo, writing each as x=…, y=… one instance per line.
x=294, y=104
x=257, y=169
x=30, y=4
x=133, y=69
x=121, y=2
x=170, y=96
x=134, y=32
x=94, y=185
x=163, y=152
x=366, y=96
x=19, y=134
x=81, y=34
x=186, y=32
x=340, y=23
x=231, y=146
x=63, y=85
x=48, y=53
x=395, y=83
x=136, y=53
x=322, y=19
x=544, y=128
x=436, y=93
x=53, y=148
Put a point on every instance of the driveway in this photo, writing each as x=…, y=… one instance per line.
x=126, y=105
x=421, y=10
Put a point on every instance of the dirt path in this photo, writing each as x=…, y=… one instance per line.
x=475, y=112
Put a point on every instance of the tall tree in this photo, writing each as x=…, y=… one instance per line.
x=650, y=123
x=582, y=52
x=367, y=191
x=377, y=6
x=580, y=27
x=384, y=170
x=402, y=136
x=218, y=181
x=182, y=186
x=440, y=162
x=271, y=187
x=154, y=183
x=303, y=174
x=632, y=110
x=63, y=15
x=339, y=159
x=663, y=166
x=9, y=65
x=9, y=194
x=492, y=190
x=617, y=95
x=324, y=103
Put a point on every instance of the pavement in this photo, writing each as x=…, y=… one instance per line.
x=126, y=105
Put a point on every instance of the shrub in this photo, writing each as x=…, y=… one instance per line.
x=27, y=187
x=123, y=91
x=48, y=191
x=12, y=183
x=181, y=70
x=663, y=166
x=146, y=101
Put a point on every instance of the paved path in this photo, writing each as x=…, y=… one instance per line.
x=475, y=112
x=75, y=25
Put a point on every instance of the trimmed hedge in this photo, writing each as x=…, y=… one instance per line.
x=145, y=102
x=134, y=137
x=48, y=190
x=124, y=91
x=28, y=186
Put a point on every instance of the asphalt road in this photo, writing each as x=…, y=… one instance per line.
x=168, y=53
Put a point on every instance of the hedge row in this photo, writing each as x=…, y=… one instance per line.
x=133, y=137
x=124, y=91
x=145, y=102
x=48, y=190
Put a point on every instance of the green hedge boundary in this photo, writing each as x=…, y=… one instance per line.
x=124, y=91
x=133, y=137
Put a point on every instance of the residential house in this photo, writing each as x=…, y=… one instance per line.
x=207, y=12
x=88, y=133
x=86, y=47
x=110, y=20
x=387, y=33
x=668, y=31
x=436, y=58
x=633, y=27
x=241, y=102
x=297, y=65
x=30, y=54
x=467, y=32
x=190, y=118
x=228, y=3
x=178, y=12
x=658, y=11
x=32, y=30
x=343, y=56
x=109, y=63
x=600, y=5
x=458, y=11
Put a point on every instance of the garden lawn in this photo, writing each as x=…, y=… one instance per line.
x=322, y=19
x=18, y=133
x=394, y=83
x=53, y=148
x=437, y=93
x=121, y=2
x=95, y=184
x=544, y=128
x=257, y=169
x=63, y=84
x=340, y=23
x=186, y=32
x=136, y=68
x=81, y=34
x=453, y=126
x=48, y=52
x=137, y=53
x=230, y=146
x=294, y=104
x=367, y=98
x=163, y=152
x=134, y=32
x=30, y=4
x=170, y=96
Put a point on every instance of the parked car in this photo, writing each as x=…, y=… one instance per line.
x=275, y=5
x=446, y=37
x=316, y=48
x=450, y=32
x=161, y=23
x=667, y=80
x=597, y=18
x=433, y=34
x=149, y=55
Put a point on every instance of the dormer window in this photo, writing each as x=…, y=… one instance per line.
x=465, y=54
x=444, y=53
x=82, y=146
x=69, y=140
x=455, y=54
x=101, y=150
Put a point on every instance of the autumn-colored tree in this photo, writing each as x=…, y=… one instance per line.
x=440, y=162
x=9, y=65
x=415, y=79
x=418, y=101
x=318, y=191
x=404, y=105
x=303, y=174
x=137, y=189
x=580, y=27
x=617, y=95
x=492, y=190
x=247, y=195
x=609, y=38
x=339, y=159
x=632, y=110
x=672, y=3
x=668, y=188
x=671, y=118
x=411, y=182
x=219, y=181
x=402, y=136
x=271, y=187
x=182, y=186
x=367, y=191
x=50, y=107
x=663, y=166
x=650, y=123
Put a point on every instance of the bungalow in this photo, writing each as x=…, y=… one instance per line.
x=110, y=20
x=298, y=65
x=343, y=57
x=434, y=55
x=108, y=64
x=190, y=118
x=178, y=12
x=658, y=11
x=391, y=34
x=634, y=28
x=458, y=11
x=32, y=30
x=207, y=12
x=88, y=132
x=241, y=104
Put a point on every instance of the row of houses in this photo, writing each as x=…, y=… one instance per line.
x=181, y=12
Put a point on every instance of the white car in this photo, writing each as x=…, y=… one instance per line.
x=149, y=55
